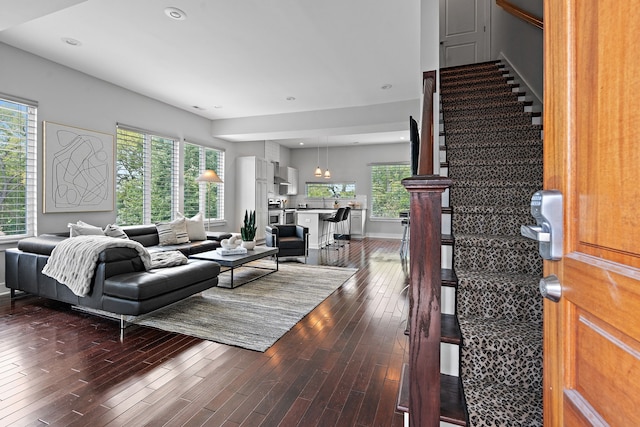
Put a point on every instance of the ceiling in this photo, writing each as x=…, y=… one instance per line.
x=317, y=72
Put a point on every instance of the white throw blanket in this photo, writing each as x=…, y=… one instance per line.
x=73, y=261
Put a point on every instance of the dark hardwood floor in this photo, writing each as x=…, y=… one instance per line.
x=339, y=366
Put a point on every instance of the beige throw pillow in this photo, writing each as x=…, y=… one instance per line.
x=81, y=228
x=195, y=226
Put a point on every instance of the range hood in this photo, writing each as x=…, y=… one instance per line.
x=277, y=179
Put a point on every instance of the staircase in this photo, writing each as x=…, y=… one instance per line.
x=494, y=157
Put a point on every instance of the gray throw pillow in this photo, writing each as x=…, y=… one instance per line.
x=116, y=231
x=172, y=233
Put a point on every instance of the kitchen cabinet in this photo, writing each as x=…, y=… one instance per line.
x=358, y=219
x=272, y=187
x=292, y=178
x=251, y=191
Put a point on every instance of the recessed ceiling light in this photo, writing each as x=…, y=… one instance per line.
x=197, y=107
x=217, y=106
x=175, y=13
x=301, y=143
x=71, y=42
x=290, y=98
x=402, y=138
x=386, y=87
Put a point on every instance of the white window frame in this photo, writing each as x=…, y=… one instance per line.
x=31, y=175
x=373, y=200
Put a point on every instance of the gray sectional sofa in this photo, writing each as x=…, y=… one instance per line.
x=121, y=285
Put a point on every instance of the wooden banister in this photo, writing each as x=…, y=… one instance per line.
x=520, y=13
x=425, y=156
x=425, y=279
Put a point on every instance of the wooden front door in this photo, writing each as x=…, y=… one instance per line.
x=592, y=154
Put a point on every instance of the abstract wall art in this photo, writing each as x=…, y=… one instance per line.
x=78, y=169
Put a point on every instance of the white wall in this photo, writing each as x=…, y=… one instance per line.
x=520, y=44
x=68, y=97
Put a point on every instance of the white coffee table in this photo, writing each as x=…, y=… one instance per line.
x=235, y=261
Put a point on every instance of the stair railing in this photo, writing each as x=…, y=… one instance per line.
x=426, y=152
x=520, y=13
x=425, y=282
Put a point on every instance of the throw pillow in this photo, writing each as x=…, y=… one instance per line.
x=81, y=228
x=172, y=233
x=116, y=231
x=195, y=226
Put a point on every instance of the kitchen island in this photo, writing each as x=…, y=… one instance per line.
x=313, y=220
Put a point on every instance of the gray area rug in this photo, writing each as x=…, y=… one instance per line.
x=255, y=315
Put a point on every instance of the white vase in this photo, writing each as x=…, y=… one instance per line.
x=248, y=245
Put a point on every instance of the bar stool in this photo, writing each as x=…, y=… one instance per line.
x=344, y=227
x=404, y=244
x=335, y=219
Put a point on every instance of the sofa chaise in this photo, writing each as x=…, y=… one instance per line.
x=121, y=285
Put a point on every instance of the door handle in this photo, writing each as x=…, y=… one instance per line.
x=535, y=233
x=551, y=288
x=546, y=209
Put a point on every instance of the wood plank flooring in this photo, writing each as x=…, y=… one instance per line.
x=339, y=366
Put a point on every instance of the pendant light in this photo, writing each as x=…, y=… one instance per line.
x=327, y=174
x=318, y=172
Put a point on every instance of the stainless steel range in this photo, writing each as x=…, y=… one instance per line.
x=279, y=215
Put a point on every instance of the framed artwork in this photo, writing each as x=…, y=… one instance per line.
x=78, y=169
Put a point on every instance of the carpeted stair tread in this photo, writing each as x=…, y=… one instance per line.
x=534, y=161
x=500, y=192
x=496, y=405
x=497, y=241
x=515, y=169
x=491, y=119
x=488, y=87
x=491, y=224
x=478, y=68
x=488, y=108
x=493, y=128
x=479, y=97
x=498, y=294
x=505, y=350
x=470, y=80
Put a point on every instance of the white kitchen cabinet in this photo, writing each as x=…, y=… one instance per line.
x=292, y=178
x=272, y=187
x=358, y=218
x=251, y=191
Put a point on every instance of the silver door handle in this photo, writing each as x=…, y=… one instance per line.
x=551, y=288
x=535, y=232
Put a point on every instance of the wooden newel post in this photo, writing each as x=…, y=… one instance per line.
x=424, y=297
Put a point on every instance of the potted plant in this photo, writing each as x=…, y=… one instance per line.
x=248, y=230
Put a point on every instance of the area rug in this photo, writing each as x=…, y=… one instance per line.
x=255, y=315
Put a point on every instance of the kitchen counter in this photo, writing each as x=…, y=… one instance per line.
x=312, y=219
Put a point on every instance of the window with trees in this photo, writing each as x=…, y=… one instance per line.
x=18, y=136
x=146, y=177
x=331, y=190
x=202, y=197
x=388, y=195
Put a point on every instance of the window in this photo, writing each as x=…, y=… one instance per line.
x=206, y=198
x=388, y=195
x=18, y=135
x=146, y=177
x=331, y=190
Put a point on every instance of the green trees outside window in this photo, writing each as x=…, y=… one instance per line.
x=388, y=195
x=18, y=133
x=196, y=160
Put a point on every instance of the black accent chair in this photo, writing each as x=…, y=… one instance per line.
x=291, y=240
